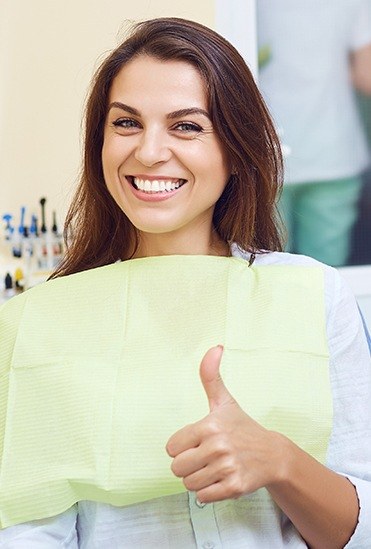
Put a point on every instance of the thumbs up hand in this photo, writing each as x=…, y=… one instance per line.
x=227, y=453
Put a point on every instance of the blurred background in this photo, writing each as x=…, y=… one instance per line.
x=308, y=58
x=49, y=50
x=315, y=75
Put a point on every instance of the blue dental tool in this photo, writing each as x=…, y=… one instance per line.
x=9, y=229
x=21, y=223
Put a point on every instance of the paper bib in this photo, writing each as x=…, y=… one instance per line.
x=100, y=368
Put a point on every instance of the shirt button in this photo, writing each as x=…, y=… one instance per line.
x=201, y=505
x=208, y=545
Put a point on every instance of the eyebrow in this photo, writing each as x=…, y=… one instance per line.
x=176, y=114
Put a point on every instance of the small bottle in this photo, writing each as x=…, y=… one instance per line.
x=19, y=280
x=8, y=287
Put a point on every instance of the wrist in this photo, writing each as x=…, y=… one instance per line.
x=284, y=459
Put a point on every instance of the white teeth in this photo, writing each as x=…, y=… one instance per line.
x=156, y=186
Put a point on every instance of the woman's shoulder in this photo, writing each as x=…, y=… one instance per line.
x=285, y=258
x=334, y=286
x=266, y=257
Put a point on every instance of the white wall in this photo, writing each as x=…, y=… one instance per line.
x=236, y=20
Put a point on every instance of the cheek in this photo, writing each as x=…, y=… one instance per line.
x=105, y=156
x=217, y=164
x=109, y=155
x=114, y=152
x=210, y=162
x=110, y=168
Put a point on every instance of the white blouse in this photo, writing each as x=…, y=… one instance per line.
x=252, y=521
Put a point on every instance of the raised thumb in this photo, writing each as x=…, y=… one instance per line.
x=215, y=390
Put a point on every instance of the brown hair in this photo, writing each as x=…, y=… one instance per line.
x=97, y=232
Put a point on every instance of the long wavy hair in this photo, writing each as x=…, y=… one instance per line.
x=97, y=232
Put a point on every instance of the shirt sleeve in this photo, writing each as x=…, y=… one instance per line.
x=350, y=370
x=368, y=337
x=54, y=532
x=361, y=30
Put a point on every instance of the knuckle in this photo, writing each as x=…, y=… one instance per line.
x=221, y=446
x=195, y=429
x=228, y=468
x=235, y=487
x=188, y=484
x=176, y=468
x=209, y=427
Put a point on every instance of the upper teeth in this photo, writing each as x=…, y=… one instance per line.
x=156, y=185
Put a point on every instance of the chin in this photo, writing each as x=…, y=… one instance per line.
x=155, y=226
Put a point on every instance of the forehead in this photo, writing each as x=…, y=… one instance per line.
x=146, y=81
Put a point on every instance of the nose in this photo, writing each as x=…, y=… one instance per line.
x=152, y=148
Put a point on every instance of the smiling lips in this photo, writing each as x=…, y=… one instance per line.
x=154, y=186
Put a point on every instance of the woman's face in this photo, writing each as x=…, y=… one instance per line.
x=163, y=163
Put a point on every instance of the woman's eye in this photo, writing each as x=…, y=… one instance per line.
x=125, y=123
x=188, y=127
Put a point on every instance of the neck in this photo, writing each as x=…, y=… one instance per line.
x=181, y=244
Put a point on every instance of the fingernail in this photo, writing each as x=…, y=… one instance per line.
x=221, y=347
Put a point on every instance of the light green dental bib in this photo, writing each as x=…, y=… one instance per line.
x=100, y=368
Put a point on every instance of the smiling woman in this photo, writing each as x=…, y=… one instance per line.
x=191, y=85
x=163, y=162
x=196, y=393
